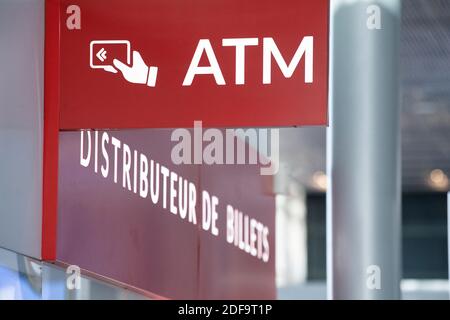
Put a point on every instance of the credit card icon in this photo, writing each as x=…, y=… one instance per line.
x=103, y=52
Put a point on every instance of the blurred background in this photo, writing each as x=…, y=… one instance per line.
x=425, y=153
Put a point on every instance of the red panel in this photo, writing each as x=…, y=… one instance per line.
x=113, y=232
x=51, y=129
x=226, y=271
x=166, y=34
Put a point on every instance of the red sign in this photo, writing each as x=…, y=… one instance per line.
x=192, y=231
x=160, y=63
x=115, y=64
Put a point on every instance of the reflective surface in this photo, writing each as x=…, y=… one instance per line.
x=25, y=278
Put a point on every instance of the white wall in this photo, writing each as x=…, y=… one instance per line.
x=21, y=124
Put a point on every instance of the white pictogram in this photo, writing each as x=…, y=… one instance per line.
x=101, y=54
x=136, y=71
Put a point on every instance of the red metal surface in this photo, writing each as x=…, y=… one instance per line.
x=51, y=129
x=113, y=232
x=101, y=226
x=227, y=272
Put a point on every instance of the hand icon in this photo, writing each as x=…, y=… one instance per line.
x=139, y=72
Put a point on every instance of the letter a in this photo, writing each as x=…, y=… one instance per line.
x=213, y=68
x=374, y=19
x=74, y=20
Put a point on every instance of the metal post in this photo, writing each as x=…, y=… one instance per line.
x=363, y=147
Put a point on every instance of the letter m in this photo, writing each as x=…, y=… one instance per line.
x=270, y=49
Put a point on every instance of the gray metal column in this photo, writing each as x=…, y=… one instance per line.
x=363, y=147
